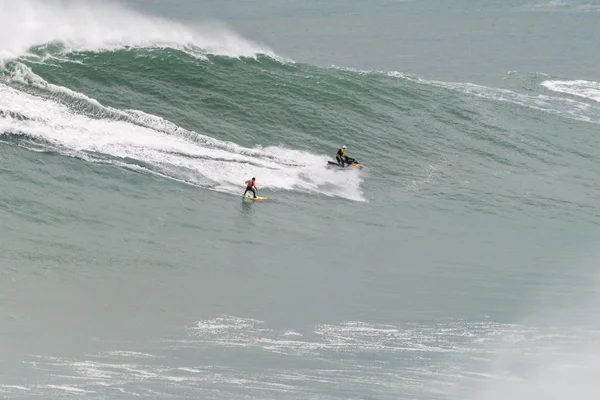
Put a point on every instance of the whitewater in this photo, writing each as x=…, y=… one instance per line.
x=460, y=263
x=162, y=144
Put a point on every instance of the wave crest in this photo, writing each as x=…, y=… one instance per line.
x=68, y=26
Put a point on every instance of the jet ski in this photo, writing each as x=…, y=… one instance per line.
x=350, y=163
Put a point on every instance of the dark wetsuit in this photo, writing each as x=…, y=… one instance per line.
x=341, y=156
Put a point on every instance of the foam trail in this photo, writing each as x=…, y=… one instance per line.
x=554, y=105
x=168, y=150
x=560, y=5
x=98, y=26
x=563, y=107
x=580, y=88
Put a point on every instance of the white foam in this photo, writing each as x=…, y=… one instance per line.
x=421, y=361
x=580, y=88
x=97, y=26
x=16, y=387
x=21, y=73
x=346, y=337
x=124, y=353
x=68, y=388
x=554, y=105
x=164, y=148
x=560, y=5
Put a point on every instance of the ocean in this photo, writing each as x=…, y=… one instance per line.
x=460, y=263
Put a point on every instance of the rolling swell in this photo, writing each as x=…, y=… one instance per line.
x=212, y=119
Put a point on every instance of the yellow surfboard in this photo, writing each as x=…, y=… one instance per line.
x=255, y=198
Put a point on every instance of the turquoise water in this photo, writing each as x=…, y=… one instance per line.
x=460, y=263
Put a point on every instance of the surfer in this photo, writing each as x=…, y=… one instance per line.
x=341, y=155
x=250, y=186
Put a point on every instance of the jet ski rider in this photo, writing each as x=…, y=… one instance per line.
x=341, y=156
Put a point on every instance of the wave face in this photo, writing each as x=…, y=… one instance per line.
x=215, y=120
x=205, y=106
